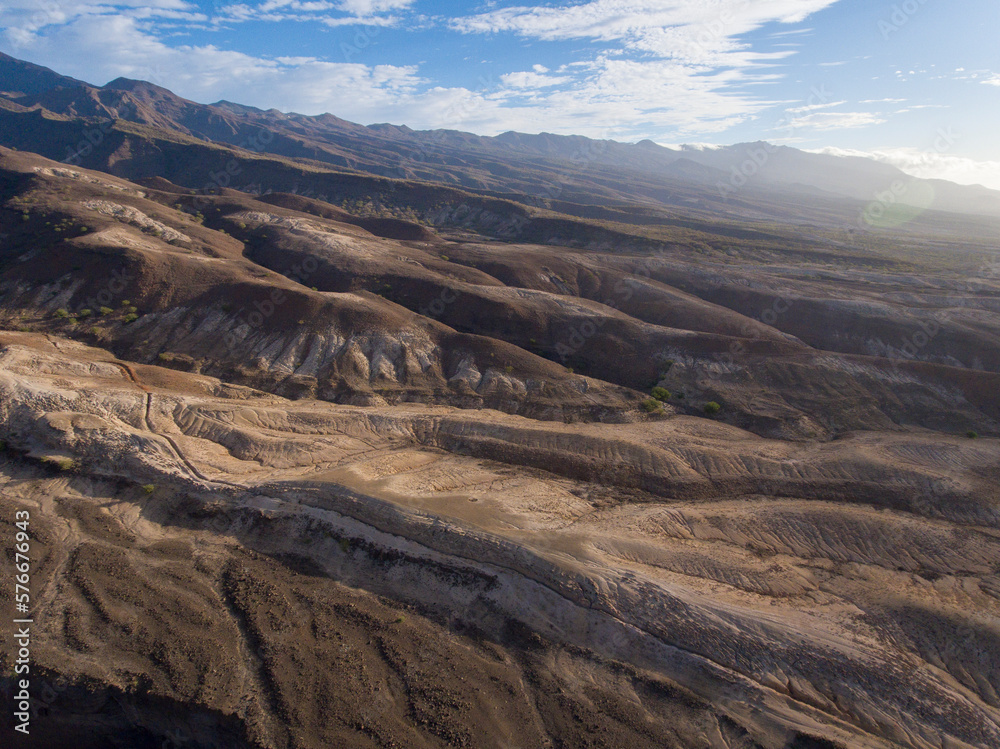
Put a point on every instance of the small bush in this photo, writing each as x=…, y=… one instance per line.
x=399, y=620
x=661, y=394
x=62, y=312
x=105, y=310
x=712, y=408
x=85, y=312
x=126, y=303
x=651, y=405
x=149, y=488
x=972, y=435
x=130, y=317
x=63, y=464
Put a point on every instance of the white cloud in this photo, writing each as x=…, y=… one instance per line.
x=930, y=164
x=835, y=121
x=814, y=107
x=677, y=65
x=365, y=8
x=993, y=80
x=532, y=80
x=101, y=48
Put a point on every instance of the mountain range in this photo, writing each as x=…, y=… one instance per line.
x=744, y=181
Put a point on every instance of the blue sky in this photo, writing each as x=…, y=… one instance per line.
x=915, y=83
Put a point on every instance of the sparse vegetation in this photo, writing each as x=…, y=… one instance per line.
x=972, y=434
x=130, y=317
x=660, y=394
x=85, y=313
x=59, y=462
x=149, y=488
x=62, y=312
x=711, y=408
x=105, y=310
x=652, y=406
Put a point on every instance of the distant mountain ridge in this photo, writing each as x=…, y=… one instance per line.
x=536, y=168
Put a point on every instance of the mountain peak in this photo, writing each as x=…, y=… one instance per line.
x=136, y=86
x=22, y=77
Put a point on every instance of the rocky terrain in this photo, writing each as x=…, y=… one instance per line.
x=220, y=563
x=354, y=457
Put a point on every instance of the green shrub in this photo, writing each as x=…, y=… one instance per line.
x=651, y=405
x=972, y=435
x=85, y=312
x=63, y=464
x=149, y=488
x=130, y=317
x=712, y=408
x=62, y=312
x=126, y=303
x=105, y=310
x=661, y=394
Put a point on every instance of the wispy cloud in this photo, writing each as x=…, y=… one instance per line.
x=930, y=164
x=814, y=107
x=691, y=55
x=836, y=121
